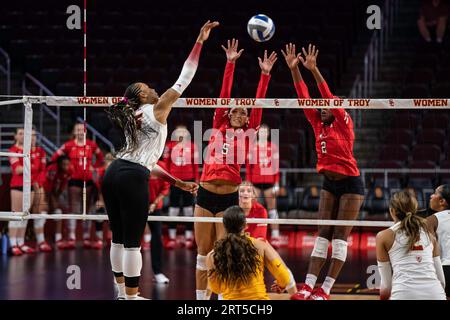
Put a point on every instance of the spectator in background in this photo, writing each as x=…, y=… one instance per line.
x=76, y=150
x=57, y=177
x=17, y=229
x=262, y=170
x=433, y=20
x=181, y=159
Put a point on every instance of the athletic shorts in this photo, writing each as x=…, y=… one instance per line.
x=263, y=186
x=214, y=202
x=79, y=183
x=180, y=198
x=349, y=185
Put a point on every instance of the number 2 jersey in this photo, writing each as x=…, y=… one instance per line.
x=225, y=153
x=334, y=142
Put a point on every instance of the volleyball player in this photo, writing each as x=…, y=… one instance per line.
x=17, y=229
x=57, y=177
x=236, y=265
x=408, y=255
x=252, y=209
x=125, y=185
x=439, y=224
x=342, y=191
x=76, y=150
x=262, y=170
x=181, y=158
x=220, y=178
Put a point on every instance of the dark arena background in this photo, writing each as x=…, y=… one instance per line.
x=46, y=49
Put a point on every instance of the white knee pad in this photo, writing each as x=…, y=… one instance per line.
x=174, y=212
x=23, y=224
x=132, y=262
x=273, y=214
x=116, y=257
x=39, y=223
x=339, y=249
x=188, y=211
x=201, y=263
x=320, y=248
x=14, y=224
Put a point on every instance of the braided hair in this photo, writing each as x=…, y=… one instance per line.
x=123, y=117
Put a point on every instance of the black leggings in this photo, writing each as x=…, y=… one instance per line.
x=156, y=243
x=125, y=191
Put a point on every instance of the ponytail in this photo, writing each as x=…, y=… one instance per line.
x=405, y=206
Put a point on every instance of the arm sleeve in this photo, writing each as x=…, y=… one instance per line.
x=281, y=273
x=225, y=92
x=386, y=279
x=303, y=93
x=256, y=113
x=439, y=270
x=339, y=114
x=189, y=69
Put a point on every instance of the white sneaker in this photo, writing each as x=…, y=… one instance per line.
x=136, y=297
x=160, y=278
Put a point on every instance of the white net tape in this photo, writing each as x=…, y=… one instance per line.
x=191, y=103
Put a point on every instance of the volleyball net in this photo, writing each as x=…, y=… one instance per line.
x=197, y=103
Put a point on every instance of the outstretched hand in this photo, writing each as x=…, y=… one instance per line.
x=205, y=30
x=190, y=187
x=232, y=50
x=290, y=56
x=267, y=63
x=310, y=59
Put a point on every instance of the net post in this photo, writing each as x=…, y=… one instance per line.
x=28, y=126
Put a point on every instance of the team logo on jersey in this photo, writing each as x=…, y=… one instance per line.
x=419, y=259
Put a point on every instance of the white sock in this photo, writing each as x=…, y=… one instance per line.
x=72, y=235
x=13, y=241
x=219, y=297
x=275, y=233
x=121, y=289
x=99, y=235
x=172, y=234
x=189, y=234
x=147, y=237
x=132, y=297
x=40, y=238
x=20, y=241
x=201, y=294
x=58, y=236
x=328, y=284
x=311, y=280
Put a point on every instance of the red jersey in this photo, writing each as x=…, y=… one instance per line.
x=157, y=186
x=257, y=230
x=334, y=143
x=76, y=154
x=227, y=147
x=56, y=181
x=182, y=159
x=263, y=163
x=38, y=161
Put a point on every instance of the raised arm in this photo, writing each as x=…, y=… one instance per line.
x=164, y=104
x=232, y=54
x=266, y=65
x=310, y=63
x=292, y=61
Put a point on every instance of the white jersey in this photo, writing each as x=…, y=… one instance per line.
x=151, y=140
x=443, y=234
x=414, y=275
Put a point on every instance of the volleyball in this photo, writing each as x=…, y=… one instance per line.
x=261, y=28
